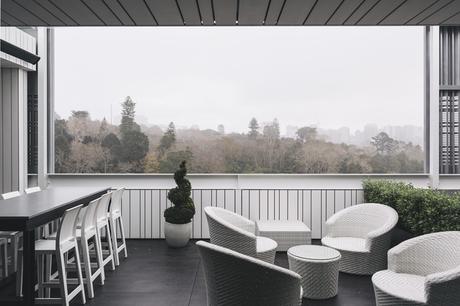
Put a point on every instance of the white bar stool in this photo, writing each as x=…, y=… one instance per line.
x=102, y=225
x=85, y=235
x=65, y=242
x=13, y=236
x=115, y=219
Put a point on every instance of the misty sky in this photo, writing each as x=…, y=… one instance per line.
x=324, y=76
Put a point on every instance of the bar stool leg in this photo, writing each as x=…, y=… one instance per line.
x=87, y=263
x=100, y=263
x=123, y=240
x=61, y=264
x=80, y=276
x=109, y=241
x=113, y=229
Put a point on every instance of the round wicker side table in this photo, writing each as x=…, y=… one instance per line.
x=319, y=268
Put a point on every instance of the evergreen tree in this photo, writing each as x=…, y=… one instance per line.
x=128, y=113
x=253, y=128
x=168, y=139
x=384, y=144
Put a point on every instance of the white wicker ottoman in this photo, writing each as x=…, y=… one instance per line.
x=319, y=268
x=286, y=233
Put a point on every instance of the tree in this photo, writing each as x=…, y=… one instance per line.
x=113, y=145
x=168, y=139
x=79, y=124
x=272, y=131
x=80, y=114
x=384, y=144
x=151, y=163
x=253, y=128
x=62, y=141
x=169, y=163
x=135, y=146
x=306, y=134
x=128, y=113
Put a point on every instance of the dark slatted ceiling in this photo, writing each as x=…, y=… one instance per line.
x=252, y=12
x=26, y=16
x=104, y=12
x=166, y=12
x=225, y=11
x=273, y=12
x=40, y=11
x=438, y=5
x=345, y=11
x=445, y=13
x=360, y=12
x=296, y=11
x=206, y=12
x=190, y=12
x=323, y=11
x=139, y=12
x=410, y=8
x=118, y=11
x=228, y=12
x=381, y=11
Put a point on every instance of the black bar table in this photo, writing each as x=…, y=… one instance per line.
x=26, y=212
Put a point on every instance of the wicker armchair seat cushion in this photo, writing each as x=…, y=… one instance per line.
x=350, y=244
x=401, y=286
x=265, y=244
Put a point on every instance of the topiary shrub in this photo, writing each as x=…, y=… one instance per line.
x=183, y=210
x=421, y=211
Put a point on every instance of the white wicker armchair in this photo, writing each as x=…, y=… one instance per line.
x=236, y=279
x=362, y=235
x=237, y=233
x=421, y=271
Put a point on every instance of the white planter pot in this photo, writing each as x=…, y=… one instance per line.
x=177, y=235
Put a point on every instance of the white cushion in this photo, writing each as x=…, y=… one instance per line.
x=265, y=244
x=350, y=244
x=281, y=226
x=404, y=286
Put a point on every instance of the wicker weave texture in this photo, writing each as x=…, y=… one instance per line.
x=372, y=224
x=236, y=279
x=421, y=271
x=319, y=279
x=232, y=231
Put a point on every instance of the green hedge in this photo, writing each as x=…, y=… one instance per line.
x=420, y=210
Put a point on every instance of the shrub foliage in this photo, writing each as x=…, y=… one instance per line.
x=421, y=211
x=183, y=210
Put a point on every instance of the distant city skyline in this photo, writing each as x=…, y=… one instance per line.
x=327, y=77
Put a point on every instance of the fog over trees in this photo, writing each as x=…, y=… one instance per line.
x=84, y=145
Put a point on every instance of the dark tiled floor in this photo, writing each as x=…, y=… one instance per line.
x=156, y=275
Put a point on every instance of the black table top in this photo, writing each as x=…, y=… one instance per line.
x=31, y=210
